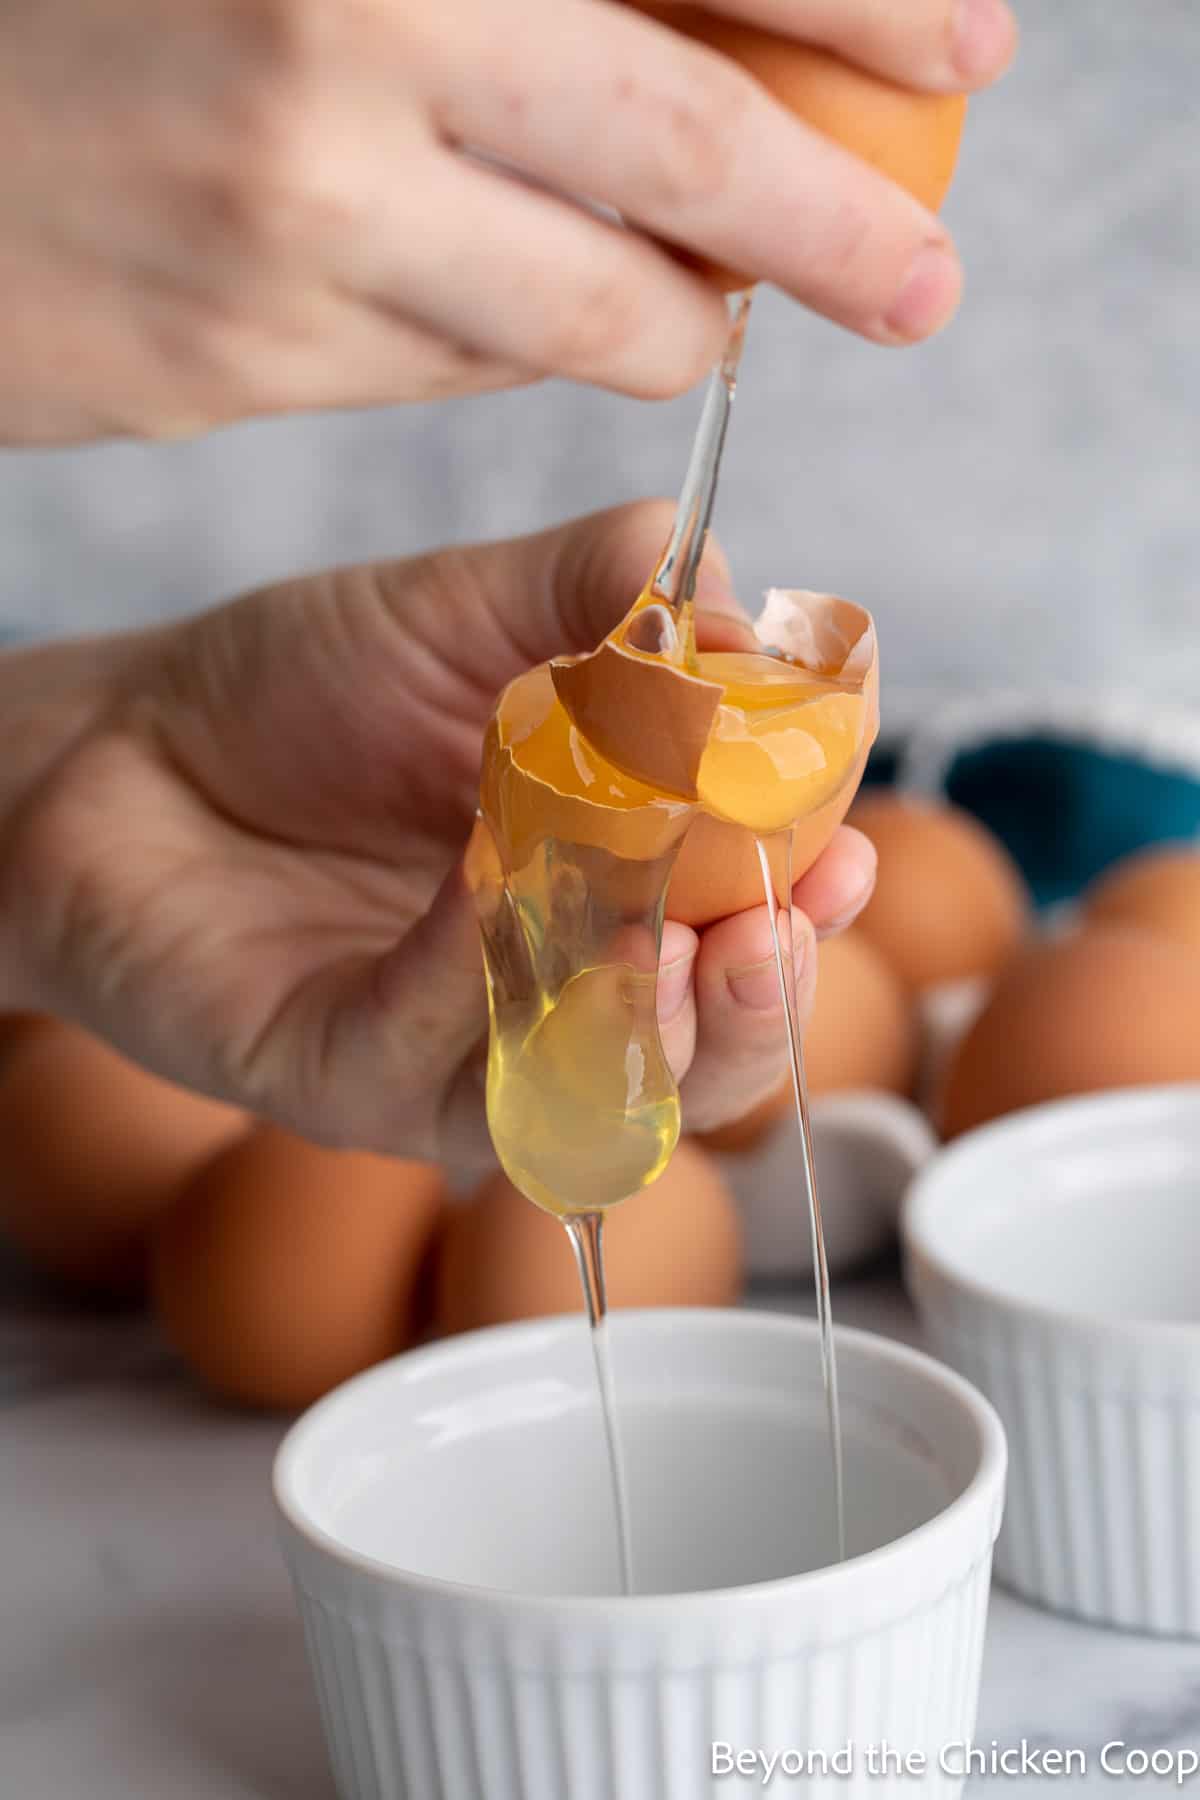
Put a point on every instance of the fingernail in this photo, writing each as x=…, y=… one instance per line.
x=674, y=979
x=756, y=985
x=983, y=39
x=928, y=295
x=848, y=915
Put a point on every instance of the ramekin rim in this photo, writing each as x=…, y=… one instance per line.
x=983, y=1493
x=919, y=1235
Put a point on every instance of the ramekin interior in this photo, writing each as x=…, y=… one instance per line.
x=1084, y=1210
x=478, y=1463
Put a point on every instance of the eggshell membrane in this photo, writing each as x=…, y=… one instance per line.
x=92, y=1150
x=949, y=902
x=912, y=138
x=1157, y=889
x=285, y=1268
x=1108, y=1007
x=680, y=1244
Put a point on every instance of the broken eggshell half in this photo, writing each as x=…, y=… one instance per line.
x=747, y=771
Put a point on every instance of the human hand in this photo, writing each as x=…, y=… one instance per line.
x=231, y=207
x=232, y=846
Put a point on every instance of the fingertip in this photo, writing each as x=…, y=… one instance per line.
x=840, y=883
x=983, y=41
x=928, y=297
x=678, y=943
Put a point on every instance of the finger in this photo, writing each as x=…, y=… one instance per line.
x=740, y=1051
x=839, y=884
x=529, y=278
x=675, y=996
x=687, y=145
x=374, y=356
x=209, y=367
x=492, y=611
x=402, y=1063
x=945, y=46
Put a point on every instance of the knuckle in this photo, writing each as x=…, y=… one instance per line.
x=276, y=179
x=48, y=881
x=850, y=243
x=684, y=359
x=275, y=192
x=692, y=133
x=211, y=362
x=601, y=322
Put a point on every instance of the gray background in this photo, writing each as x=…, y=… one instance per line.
x=1019, y=495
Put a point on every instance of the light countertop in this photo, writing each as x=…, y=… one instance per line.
x=148, y=1643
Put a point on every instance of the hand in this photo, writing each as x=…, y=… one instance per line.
x=233, y=846
x=220, y=208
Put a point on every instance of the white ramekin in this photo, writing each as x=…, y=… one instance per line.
x=481, y=1458
x=1053, y=1256
x=868, y=1147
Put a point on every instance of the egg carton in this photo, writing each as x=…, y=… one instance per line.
x=1070, y=781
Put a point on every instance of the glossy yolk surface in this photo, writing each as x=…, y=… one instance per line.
x=782, y=741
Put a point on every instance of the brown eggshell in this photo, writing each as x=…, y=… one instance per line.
x=717, y=872
x=650, y=718
x=1109, y=1007
x=13, y=1028
x=678, y=1243
x=949, y=901
x=92, y=1149
x=286, y=1268
x=863, y=1030
x=912, y=138
x=642, y=713
x=523, y=806
x=1157, y=889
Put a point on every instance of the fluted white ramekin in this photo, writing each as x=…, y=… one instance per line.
x=1055, y=1258
x=868, y=1147
x=413, y=1497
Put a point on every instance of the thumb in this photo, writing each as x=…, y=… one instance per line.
x=595, y=568
x=406, y=1060
x=493, y=610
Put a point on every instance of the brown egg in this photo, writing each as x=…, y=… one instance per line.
x=1109, y=1007
x=863, y=1030
x=1157, y=889
x=910, y=137
x=862, y=1034
x=13, y=1028
x=949, y=901
x=678, y=1243
x=286, y=1268
x=92, y=1149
